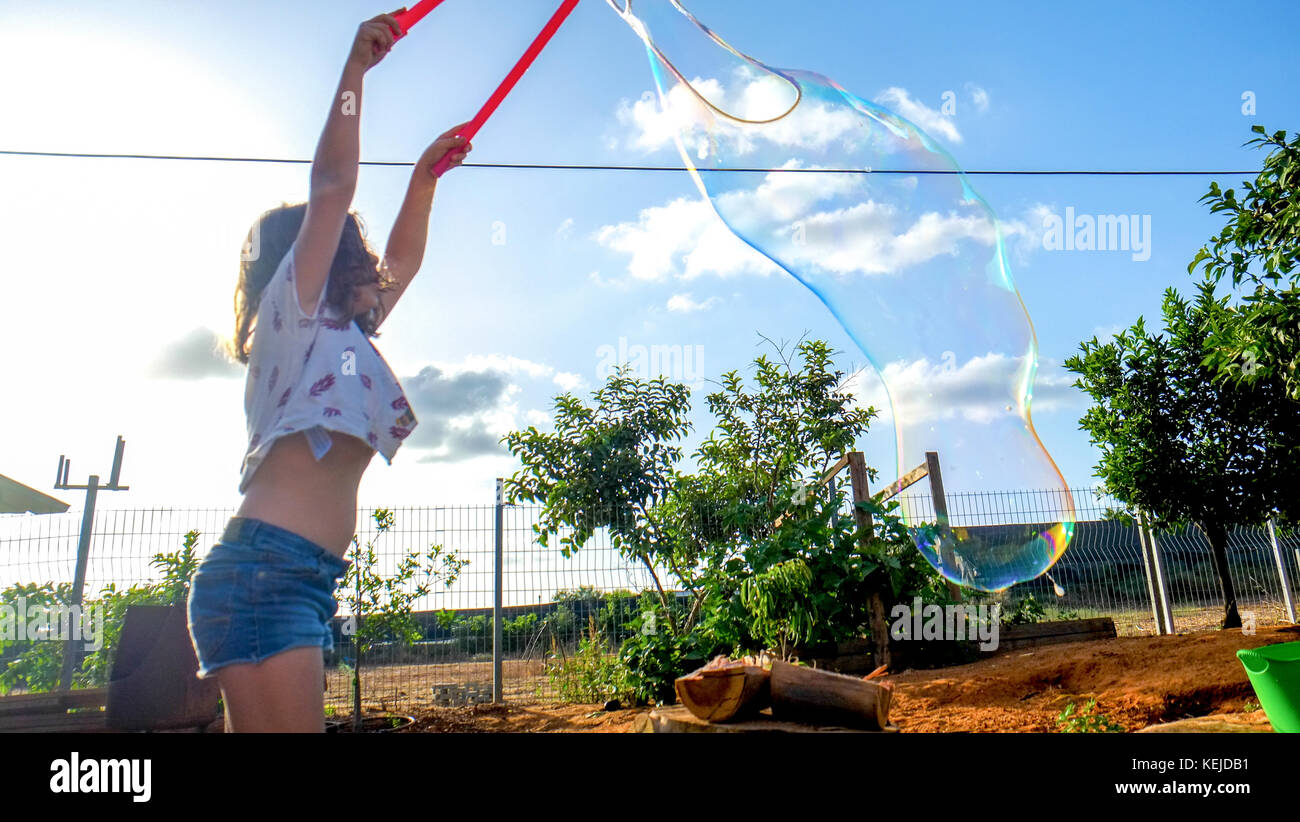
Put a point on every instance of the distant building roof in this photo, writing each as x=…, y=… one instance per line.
x=16, y=498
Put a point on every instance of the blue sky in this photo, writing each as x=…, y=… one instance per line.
x=128, y=266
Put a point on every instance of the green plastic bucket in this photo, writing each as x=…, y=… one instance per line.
x=1274, y=671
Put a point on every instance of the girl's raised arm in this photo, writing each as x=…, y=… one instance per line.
x=334, y=168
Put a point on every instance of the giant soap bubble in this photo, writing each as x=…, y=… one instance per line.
x=912, y=265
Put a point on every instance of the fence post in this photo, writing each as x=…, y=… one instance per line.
x=497, y=573
x=1282, y=575
x=71, y=651
x=1155, y=571
x=1151, y=578
x=866, y=530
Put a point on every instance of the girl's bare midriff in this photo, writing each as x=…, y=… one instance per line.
x=314, y=499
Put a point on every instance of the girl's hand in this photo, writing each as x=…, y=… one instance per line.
x=374, y=40
x=447, y=143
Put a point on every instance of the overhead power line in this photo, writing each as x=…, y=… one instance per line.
x=576, y=167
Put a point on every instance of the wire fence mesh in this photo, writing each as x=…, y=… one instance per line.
x=550, y=602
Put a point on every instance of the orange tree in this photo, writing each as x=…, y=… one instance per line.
x=1183, y=445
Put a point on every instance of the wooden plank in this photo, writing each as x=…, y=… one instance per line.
x=80, y=722
x=833, y=470
x=910, y=478
x=940, y=502
x=1101, y=625
x=676, y=719
x=1034, y=642
x=53, y=701
x=826, y=477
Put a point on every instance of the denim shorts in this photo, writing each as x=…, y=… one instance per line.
x=259, y=591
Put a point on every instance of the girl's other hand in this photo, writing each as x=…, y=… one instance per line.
x=447, y=143
x=374, y=40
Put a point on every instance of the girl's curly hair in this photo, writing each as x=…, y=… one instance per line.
x=269, y=240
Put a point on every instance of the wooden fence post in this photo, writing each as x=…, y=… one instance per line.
x=866, y=530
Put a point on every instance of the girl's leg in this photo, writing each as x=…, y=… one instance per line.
x=278, y=695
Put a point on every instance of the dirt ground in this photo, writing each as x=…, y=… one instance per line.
x=1137, y=681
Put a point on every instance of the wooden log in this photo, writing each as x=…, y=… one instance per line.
x=724, y=693
x=672, y=719
x=808, y=695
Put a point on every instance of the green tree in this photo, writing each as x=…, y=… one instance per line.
x=1260, y=244
x=1181, y=445
x=764, y=556
x=606, y=467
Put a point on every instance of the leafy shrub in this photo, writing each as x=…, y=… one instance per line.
x=1087, y=720
x=37, y=666
x=593, y=674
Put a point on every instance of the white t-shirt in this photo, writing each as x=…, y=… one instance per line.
x=316, y=373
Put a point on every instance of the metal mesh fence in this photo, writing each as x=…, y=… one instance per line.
x=551, y=603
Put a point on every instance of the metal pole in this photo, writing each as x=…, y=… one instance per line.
x=1148, y=566
x=70, y=655
x=497, y=573
x=1283, y=576
x=1162, y=585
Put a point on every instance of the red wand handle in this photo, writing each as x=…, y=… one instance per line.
x=507, y=84
x=414, y=15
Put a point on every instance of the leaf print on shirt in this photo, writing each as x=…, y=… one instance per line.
x=398, y=432
x=275, y=377
x=322, y=385
x=304, y=323
x=373, y=440
x=335, y=325
x=400, y=403
x=255, y=371
x=275, y=318
x=307, y=356
x=331, y=412
x=284, y=398
x=365, y=381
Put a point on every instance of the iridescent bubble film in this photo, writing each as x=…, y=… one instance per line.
x=913, y=266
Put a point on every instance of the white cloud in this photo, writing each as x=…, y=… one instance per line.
x=498, y=362
x=1105, y=333
x=979, y=390
x=567, y=380
x=685, y=303
x=873, y=244
x=650, y=126
x=685, y=239
x=929, y=120
x=565, y=229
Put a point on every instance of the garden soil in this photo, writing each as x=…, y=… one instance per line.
x=1137, y=681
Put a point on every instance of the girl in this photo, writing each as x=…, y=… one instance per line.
x=320, y=401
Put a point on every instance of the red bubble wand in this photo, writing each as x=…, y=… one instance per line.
x=409, y=18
